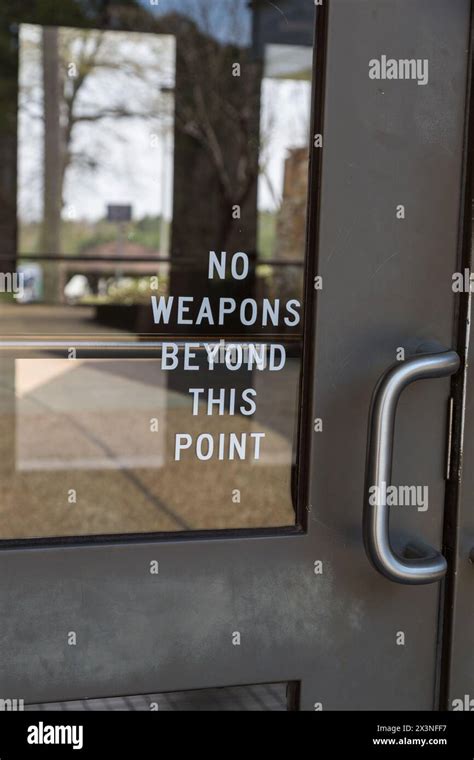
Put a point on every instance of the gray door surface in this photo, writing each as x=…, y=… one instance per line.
x=170, y=522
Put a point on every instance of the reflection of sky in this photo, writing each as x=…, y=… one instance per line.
x=226, y=20
x=285, y=124
x=131, y=167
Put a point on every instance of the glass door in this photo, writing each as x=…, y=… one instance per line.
x=219, y=228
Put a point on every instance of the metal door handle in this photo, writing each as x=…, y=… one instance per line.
x=429, y=566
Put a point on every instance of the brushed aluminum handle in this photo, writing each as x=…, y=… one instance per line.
x=429, y=566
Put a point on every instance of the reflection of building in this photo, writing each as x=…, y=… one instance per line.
x=292, y=24
x=291, y=223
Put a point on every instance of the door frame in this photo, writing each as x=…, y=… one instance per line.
x=457, y=664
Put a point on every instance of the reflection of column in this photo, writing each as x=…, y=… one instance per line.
x=216, y=167
x=216, y=157
x=163, y=250
x=7, y=421
x=8, y=150
x=8, y=236
x=51, y=226
x=62, y=280
x=166, y=154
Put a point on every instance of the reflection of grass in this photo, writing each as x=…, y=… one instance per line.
x=80, y=241
x=266, y=234
x=148, y=232
x=78, y=237
x=28, y=238
x=6, y=297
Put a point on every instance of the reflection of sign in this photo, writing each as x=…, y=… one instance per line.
x=117, y=213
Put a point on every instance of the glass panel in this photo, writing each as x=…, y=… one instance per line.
x=267, y=697
x=155, y=190
x=102, y=447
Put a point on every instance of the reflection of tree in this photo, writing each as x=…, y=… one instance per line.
x=220, y=111
x=221, y=146
x=94, y=52
x=217, y=115
x=84, y=62
x=217, y=126
x=88, y=77
x=215, y=111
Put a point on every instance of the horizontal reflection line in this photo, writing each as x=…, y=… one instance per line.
x=113, y=345
x=31, y=258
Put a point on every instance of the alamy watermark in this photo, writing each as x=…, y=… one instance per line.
x=41, y=733
x=463, y=282
x=12, y=705
x=466, y=704
x=237, y=354
x=399, y=496
x=416, y=69
x=13, y=282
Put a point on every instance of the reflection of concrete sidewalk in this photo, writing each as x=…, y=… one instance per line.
x=39, y=320
x=87, y=428
x=97, y=414
x=72, y=415
x=85, y=425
